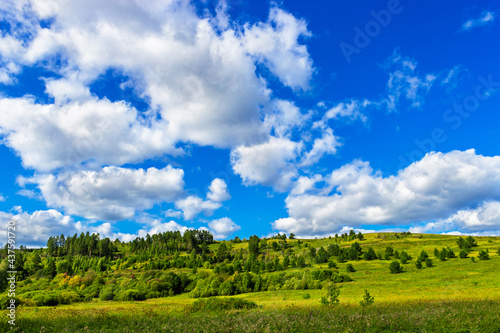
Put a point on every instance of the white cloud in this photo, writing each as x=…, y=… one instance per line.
x=193, y=205
x=218, y=191
x=200, y=81
x=352, y=109
x=431, y=189
x=486, y=17
x=111, y=193
x=54, y=136
x=2, y=198
x=223, y=227
x=326, y=144
x=270, y=163
x=404, y=82
x=283, y=118
x=482, y=220
x=34, y=229
x=275, y=44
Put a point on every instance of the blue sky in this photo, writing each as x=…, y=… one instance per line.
x=249, y=117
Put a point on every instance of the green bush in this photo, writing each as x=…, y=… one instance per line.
x=483, y=255
x=463, y=254
x=131, y=295
x=395, y=267
x=350, y=268
x=428, y=262
x=220, y=304
x=5, y=301
x=367, y=299
x=332, y=296
x=107, y=293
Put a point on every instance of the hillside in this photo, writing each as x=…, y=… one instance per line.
x=274, y=273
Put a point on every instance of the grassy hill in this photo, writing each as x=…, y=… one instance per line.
x=456, y=294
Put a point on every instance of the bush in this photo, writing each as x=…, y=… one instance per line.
x=404, y=257
x=428, y=262
x=463, y=254
x=107, y=293
x=220, y=304
x=350, y=268
x=418, y=263
x=483, y=255
x=332, y=264
x=5, y=302
x=131, y=295
x=306, y=296
x=395, y=267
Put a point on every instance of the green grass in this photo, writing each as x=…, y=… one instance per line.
x=458, y=316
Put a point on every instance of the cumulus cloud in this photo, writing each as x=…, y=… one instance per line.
x=34, y=229
x=217, y=191
x=271, y=163
x=48, y=136
x=485, y=18
x=223, y=228
x=199, y=81
x=193, y=205
x=482, y=220
x=112, y=193
x=2, y=198
x=275, y=44
x=431, y=189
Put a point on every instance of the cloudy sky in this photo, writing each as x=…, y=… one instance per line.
x=249, y=117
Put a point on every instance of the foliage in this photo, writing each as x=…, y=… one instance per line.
x=220, y=304
x=395, y=267
x=367, y=299
x=332, y=296
x=350, y=268
x=483, y=255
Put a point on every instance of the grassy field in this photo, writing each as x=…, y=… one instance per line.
x=456, y=295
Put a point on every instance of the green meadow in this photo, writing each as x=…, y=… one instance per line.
x=454, y=295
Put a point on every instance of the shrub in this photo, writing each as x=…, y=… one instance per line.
x=418, y=263
x=404, y=257
x=483, y=255
x=332, y=264
x=350, y=268
x=395, y=267
x=107, y=293
x=306, y=296
x=367, y=299
x=332, y=296
x=423, y=255
x=220, y=304
x=463, y=254
x=428, y=262
x=131, y=295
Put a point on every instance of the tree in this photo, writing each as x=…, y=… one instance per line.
x=423, y=255
x=483, y=255
x=428, y=262
x=253, y=245
x=360, y=236
x=443, y=254
x=322, y=255
x=350, y=268
x=389, y=251
x=332, y=264
x=332, y=296
x=367, y=299
x=292, y=236
x=370, y=254
x=395, y=267
x=404, y=257
x=463, y=254
x=286, y=261
x=418, y=263
x=222, y=252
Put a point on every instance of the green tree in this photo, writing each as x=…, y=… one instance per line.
x=428, y=262
x=395, y=267
x=253, y=245
x=367, y=299
x=322, y=255
x=483, y=255
x=463, y=254
x=350, y=268
x=292, y=236
x=332, y=296
x=418, y=263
